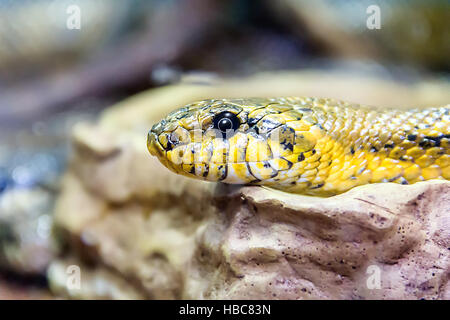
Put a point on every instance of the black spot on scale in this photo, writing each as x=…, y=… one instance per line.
x=437, y=140
x=287, y=145
x=313, y=151
x=320, y=185
x=373, y=149
x=192, y=170
x=252, y=121
x=225, y=173
x=389, y=145
x=412, y=137
x=427, y=143
x=352, y=150
x=301, y=157
x=205, y=174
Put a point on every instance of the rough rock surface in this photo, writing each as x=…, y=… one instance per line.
x=139, y=231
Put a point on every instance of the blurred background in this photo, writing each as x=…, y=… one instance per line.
x=62, y=62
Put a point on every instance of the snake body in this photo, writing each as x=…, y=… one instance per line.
x=311, y=146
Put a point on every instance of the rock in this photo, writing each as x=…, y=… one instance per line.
x=279, y=245
x=25, y=231
x=123, y=218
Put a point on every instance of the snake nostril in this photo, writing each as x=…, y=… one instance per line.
x=173, y=141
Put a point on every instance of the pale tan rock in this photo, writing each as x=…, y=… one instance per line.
x=170, y=237
x=278, y=245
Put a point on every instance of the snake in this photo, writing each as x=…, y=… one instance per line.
x=303, y=145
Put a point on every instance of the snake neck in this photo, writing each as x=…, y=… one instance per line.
x=366, y=146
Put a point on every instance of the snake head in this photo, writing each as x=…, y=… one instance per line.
x=231, y=140
x=191, y=140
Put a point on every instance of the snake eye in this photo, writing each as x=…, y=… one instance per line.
x=226, y=121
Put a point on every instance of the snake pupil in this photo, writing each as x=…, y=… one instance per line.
x=225, y=124
x=226, y=121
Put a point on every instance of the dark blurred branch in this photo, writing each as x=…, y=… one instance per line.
x=173, y=29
